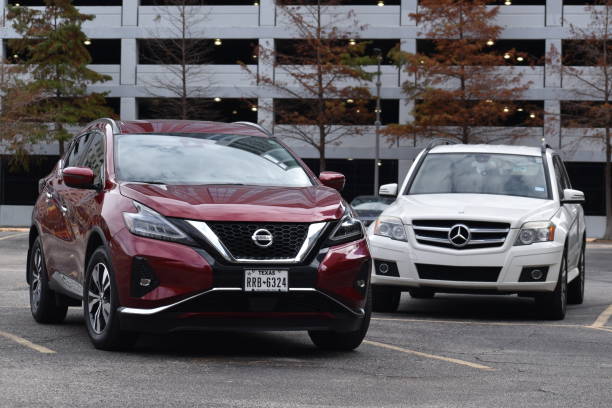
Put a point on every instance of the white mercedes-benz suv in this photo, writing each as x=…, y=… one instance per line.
x=481, y=219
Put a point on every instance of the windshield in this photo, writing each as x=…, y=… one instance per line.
x=371, y=202
x=193, y=159
x=481, y=173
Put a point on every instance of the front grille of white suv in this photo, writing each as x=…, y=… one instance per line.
x=460, y=234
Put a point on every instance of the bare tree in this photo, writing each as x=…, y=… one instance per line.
x=593, y=86
x=183, y=53
x=325, y=83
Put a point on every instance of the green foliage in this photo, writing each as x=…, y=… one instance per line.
x=54, y=58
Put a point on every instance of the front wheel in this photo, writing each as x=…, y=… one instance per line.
x=45, y=304
x=575, y=290
x=553, y=305
x=385, y=299
x=348, y=341
x=100, y=305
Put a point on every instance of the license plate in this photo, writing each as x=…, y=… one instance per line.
x=266, y=280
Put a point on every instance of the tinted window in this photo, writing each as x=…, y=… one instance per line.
x=194, y=159
x=481, y=173
x=94, y=157
x=77, y=151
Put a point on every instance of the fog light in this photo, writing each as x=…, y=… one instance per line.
x=383, y=268
x=536, y=274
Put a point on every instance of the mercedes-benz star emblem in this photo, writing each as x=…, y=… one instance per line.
x=262, y=238
x=459, y=235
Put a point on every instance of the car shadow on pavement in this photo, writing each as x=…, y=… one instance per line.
x=470, y=307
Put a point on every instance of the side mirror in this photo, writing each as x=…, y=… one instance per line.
x=572, y=196
x=332, y=179
x=388, y=190
x=78, y=177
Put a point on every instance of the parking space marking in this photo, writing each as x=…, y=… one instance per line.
x=26, y=343
x=479, y=323
x=14, y=235
x=603, y=318
x=431, y=356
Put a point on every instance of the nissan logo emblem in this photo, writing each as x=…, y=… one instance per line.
x=262, y=238
x=459, y=235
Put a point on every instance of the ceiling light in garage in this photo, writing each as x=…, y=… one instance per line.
x=254, y=108
x=508, y=3
x=349, y=101
x=352, y=41
x=520, y=59
x=532, y=116
x=506, y=109
x=507, y=56
x=381, y=3
x=87, y=42
x=218, y=41
x=520, y=109
x=490, y=43
x=217, y=99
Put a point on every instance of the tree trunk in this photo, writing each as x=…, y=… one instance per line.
x=322, y=149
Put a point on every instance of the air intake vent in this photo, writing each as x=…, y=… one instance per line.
x=458, y=273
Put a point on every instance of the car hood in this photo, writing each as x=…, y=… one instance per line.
x=475, y=207
x=239, y=203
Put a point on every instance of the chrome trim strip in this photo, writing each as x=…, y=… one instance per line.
x=149, y=312
x=473, y=230
x=471, y=242
x=314, y=231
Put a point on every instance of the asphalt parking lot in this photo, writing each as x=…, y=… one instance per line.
x=451, y=351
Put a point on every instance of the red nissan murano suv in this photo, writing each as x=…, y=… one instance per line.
x=160, y=226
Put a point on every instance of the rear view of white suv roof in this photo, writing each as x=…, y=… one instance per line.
x=482, y=148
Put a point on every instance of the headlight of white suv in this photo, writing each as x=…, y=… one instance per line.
x=151, y=224
x=536, y=231
x=390, y=227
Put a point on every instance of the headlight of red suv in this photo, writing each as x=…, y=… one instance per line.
x=151, y=224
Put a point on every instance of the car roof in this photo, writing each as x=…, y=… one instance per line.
x=187, y=126
x=487, y=148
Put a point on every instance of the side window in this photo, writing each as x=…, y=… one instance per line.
x=94, y=156
x=561, y=174
x=75, y=157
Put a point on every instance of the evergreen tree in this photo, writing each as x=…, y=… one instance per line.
x=54, y=58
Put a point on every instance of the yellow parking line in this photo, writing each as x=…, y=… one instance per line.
x=26, y=343
x=12, y=236
x=427, y=355
x=478, y=323
x=603, y=318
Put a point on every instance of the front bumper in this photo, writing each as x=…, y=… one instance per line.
x=195, y=290
x=233, y=309
x=509, y=259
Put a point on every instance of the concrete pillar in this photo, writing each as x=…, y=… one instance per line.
x=267, y=13
x=128, y=109
x=407, y=7
x=129, y=13
x=265, y=66
x=552, y=123
x=265, y=117
x=2, y=13
x=129, y=60
x=407, y=45
x=552, y=68
x=554, y=13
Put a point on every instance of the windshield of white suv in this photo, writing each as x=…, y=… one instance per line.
x=481, y=173
x=194, y=159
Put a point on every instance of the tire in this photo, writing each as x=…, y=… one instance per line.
x=385, y=299
x=553, y=305
x=420, y=293
x=575, y=290
x=339, y=341
x=46, y=306
x=100, y=303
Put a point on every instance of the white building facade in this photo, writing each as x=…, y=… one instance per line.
x=123, y=24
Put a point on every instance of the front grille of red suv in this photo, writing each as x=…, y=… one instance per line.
x=236, y=237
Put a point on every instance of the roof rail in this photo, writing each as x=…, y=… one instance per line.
x=440, y=141
x=545, y=145
x=111, y=122
x=255, y=126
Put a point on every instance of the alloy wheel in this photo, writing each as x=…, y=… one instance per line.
x=35, y=284
x=99, y=298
